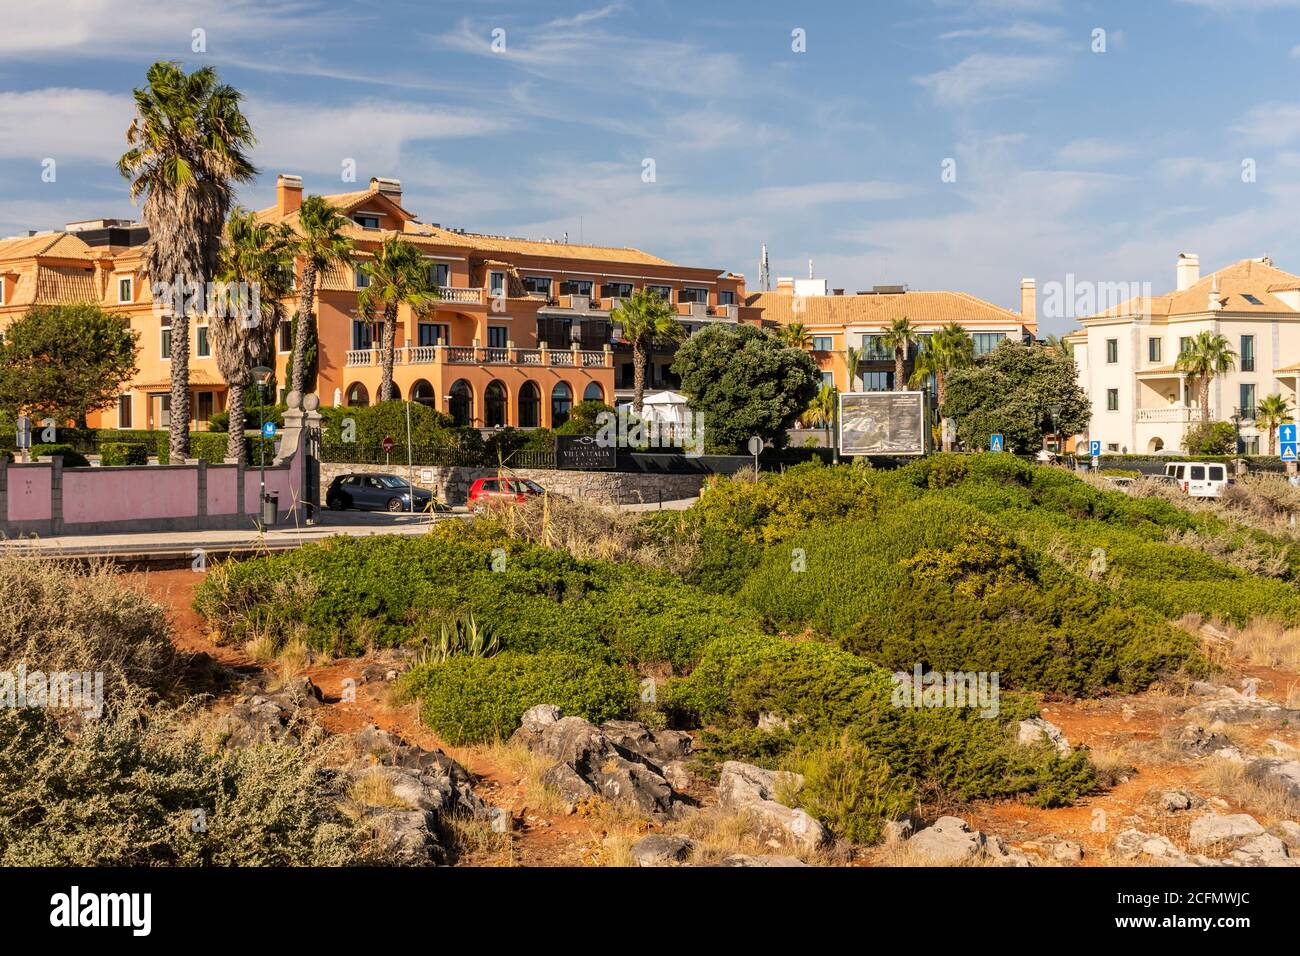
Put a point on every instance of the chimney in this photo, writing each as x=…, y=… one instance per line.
x=1029, y=302
x=392, y=188
x=288, y=193
x=785, y=285
x=837, y=291
x=1215, y=303
x=1189, y=270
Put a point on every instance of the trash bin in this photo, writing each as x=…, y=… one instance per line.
x=270, y=508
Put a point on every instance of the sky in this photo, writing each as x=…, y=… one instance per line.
x=934, y=143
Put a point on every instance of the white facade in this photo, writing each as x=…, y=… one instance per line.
x=1142, y=404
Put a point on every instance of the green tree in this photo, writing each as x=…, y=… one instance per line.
x=1207, y=356
x=796, y=336
x=582, y=418
x=257, y=255
x=852, y=362
x=1270, y=412
x=186, y=150
x=746, y=382
x=899, y=336
x=398, y=276
x=820, y=412
x=320, y=243
x=65, y=361
x=1009, y=391
x=948, y=349
x=1210, y=438
x=645, y=318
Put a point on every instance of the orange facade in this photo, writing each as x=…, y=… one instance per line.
x=521, y=332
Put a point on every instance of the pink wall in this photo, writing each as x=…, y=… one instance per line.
x=283, y=482
x=29, y=493
x=127, y=494
x=223, y=489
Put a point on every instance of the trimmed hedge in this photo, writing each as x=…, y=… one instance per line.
x=116, y=453
x=71, y=459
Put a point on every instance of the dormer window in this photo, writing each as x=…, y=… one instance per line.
x=366, y=221
x=125, y=290
x=1251, y=299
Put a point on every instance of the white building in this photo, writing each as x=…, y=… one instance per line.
x=1126, y=355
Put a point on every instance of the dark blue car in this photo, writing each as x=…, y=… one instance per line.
x=376, y=492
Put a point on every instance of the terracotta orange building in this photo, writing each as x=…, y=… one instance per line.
x=522, y=330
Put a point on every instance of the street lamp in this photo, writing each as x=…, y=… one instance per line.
x=261, y=378
x=1236, y=419
x=1055, y=411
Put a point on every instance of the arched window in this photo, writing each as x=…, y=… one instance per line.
x=561, y=402
x=358, y=397
x=494, y=405
x=422, y=392
x=461, y=407
x=593, y=393
x=530, y=405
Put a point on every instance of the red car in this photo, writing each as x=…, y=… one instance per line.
x=491, y=492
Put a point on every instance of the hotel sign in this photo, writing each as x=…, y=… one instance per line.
x=883, y=423
x=584, y=453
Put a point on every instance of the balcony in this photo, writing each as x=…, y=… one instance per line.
x=1172, y=415
x=477, y=355
x=455, y=296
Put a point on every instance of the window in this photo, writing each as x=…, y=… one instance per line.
x=1112, y=446
x=125, y=289
x=497, y=283
x=986, y=342
x=204, y=407
x=1112, y=351
x=124, y=411
x=616, y=290
x=494, y=405
x=874, y=350
x=726, y=298
x=1248, y=353
x=877, y=381
x=561, y=403
x=165, y=338
x=428, y=333
x=593, y=393
x=576, y=287
x=440, y=274
x=1247, y=407
x=363, y=279
x=1253, y=300
x=203, y=346
x=1153, y=350
x=362, y=334
x=1112, y=399
x=822, y=343
x=693, y=295
x=357, y=396
x=1184, y=343
x=286, y=336
x=537, y=285
x=366, y=221
x=1198, y=472
x=497, y=336
x=828, y=379
x=664, y=292
x=529, y=405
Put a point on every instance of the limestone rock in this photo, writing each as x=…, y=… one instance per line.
x=660, y=849
x=1037, y=729
x=1230, y=829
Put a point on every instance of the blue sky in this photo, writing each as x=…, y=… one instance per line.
x=1103, y=165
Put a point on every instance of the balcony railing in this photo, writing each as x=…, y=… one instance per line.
x=457, y=296
x=1176, y=415
x=477, y=355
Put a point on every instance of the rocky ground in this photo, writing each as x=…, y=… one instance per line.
x=1206, y=774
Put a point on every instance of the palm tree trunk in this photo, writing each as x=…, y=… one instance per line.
x=1272, y=433
x=1205, y=399
x=939, y=396
x=235, y=429
x=386, y=357
x=638, y=374
x=899, y=384
x=305, y=320
x=178, y=431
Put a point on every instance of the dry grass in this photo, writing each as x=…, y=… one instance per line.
x=1114, y=765
x=1267, y=801
x=1268, y=643
x=720, y=832
x=471, y=840
x=373, y=788
x=521, y=763
x=261, y=649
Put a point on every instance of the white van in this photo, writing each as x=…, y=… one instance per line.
x=1200, y=479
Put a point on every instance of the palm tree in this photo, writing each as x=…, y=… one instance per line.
x=1270, y=412
x=256, y=255
x=899, y=336
x=949, y=348
x=646, y=318
x=821, y=410
x=852, y=361
x=1060, y=345
x=185, y=151
x=321, y=244
x=796, y=336
x=1208, y=355
x=398, y=276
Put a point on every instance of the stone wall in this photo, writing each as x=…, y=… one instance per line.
x=451, y=484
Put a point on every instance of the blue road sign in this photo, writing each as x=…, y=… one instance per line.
x=1286, y=434
x=268, y=429
x=1094, y=448
x=1289, y=451
x=995, y=443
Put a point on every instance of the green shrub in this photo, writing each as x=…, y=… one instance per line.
x=1210, y=438
x=116, y=453
x=71, y=459
x=850, y=790
x=474, y=699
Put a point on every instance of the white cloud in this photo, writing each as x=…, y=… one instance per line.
x=1271, y=124
x=64, y=123
x=1093, y=152
x=983, y=75
x=1241, y=6
x=807, y=195
x=1022, y=30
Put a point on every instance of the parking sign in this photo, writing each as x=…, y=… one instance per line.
x=1094, y=448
